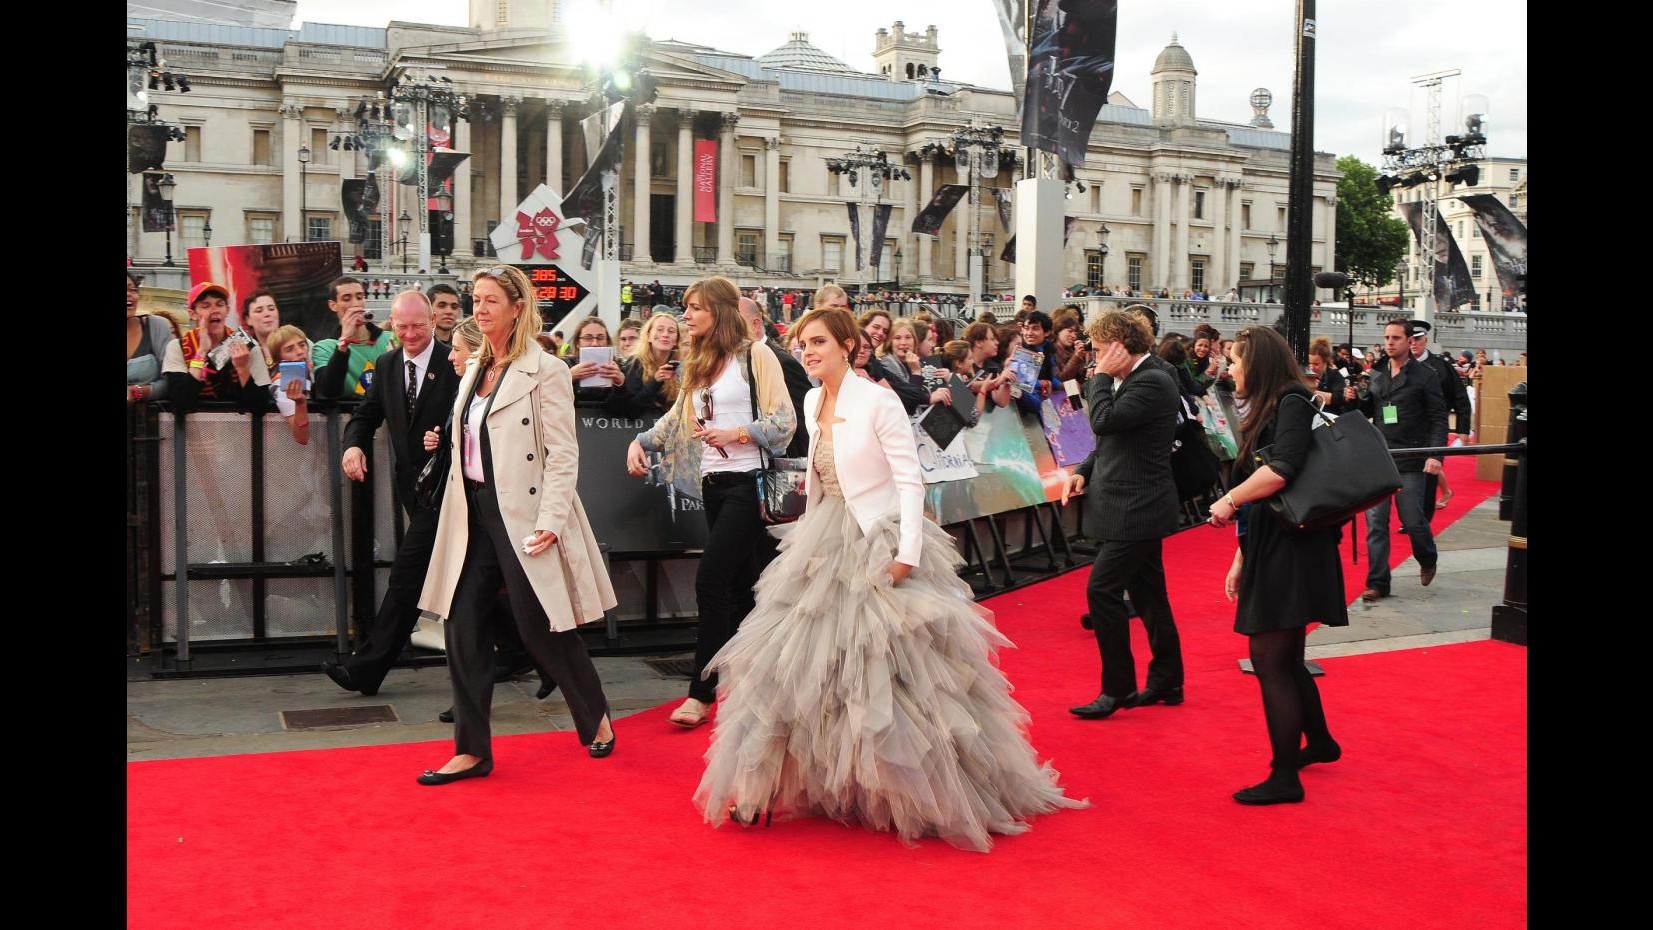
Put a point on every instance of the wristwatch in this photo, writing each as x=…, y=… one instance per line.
x=745, y=437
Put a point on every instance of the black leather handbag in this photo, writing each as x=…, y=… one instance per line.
x=1348, y=469
x=1194, y=467
x=782, y=494
x=427, y=488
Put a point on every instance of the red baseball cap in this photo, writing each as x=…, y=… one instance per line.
x=206, y=287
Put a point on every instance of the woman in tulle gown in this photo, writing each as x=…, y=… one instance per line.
x=862, y=685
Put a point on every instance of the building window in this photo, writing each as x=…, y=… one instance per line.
x=261, y=229
x=1245, y=214
x=1280, y=218
x=1196, y=274
x=1475, y=231
x=502, y=12
x=191, y=230
x=886, y=261
x=782, y=259
x=1515, y=175
x=320, y=154
x=749, y=171
x=1475, y=266
x=192, y=143
x=1458, y=230
x=261, y=148
x=318, y=228
x=657, y=160
x=1133, y=271
x=1246, y=270
x=1515, y=201
x=1136, y=201
x=1199, y=205
x=832, y=254
x=786, y=178
x=1093, y=269
x=370, y=246
x=746, y=247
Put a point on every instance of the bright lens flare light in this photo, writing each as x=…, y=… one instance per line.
x=596, y=31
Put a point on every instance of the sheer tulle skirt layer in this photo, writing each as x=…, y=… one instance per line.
x=846, y=697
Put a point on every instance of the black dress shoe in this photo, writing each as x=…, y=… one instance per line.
x=478, y=770
x=1099, y=708
x=1311, y=754
x=446, y=716
x=1170, y=697
x=1271, y=792
x=546, y=687
x=1085, y=621
x=339, y=674
x=601, y=748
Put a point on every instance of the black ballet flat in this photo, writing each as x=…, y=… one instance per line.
x=479, y=770
x=602, y=748
x=1309, y=755
x=1268, y=793
x=768, y=818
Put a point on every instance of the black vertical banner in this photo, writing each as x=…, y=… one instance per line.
x=1453, y=285
x=880, y=223
x=1506, y=238
x=146, y=146
x=155, y=212
x=1002, y=195
x=1069, y=72
x=855, y=229
x=353, y=195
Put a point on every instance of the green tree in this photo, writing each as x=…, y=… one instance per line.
x=1370, y=238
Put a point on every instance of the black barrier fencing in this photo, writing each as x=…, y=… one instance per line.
x=251, y=553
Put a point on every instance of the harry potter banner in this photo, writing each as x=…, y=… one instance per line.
x=880, y=223
x=1453, y=286
x=1506, y=238
x=1069, y=71
x=855, y=229
x=928, y=222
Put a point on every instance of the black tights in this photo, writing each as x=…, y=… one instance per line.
x=1291, y=700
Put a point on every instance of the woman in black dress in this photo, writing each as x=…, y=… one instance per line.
x=1284, y=579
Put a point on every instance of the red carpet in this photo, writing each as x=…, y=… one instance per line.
x=1422, y=824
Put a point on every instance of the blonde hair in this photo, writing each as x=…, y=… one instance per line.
x=889, y=337
x=826, y=291
x=283, y=334
x=647, y=359
x=470, y=332
x=519, y=290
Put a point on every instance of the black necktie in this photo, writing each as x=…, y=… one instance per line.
x=413, y=389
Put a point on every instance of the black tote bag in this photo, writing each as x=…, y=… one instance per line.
x=1348, y=469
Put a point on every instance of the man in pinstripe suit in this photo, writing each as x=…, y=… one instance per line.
x=1132, y=504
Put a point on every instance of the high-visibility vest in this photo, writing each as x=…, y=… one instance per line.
x=625, y=294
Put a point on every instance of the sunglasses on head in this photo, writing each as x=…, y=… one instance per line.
x=706, y=403
x=502, y=276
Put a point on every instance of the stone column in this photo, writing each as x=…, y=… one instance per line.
x=926, y=190
x=771, y=200
x=640, y=187
x=1236, y=224
x=1162, y=232
x=508, y=160
x=684, y=247
x=962, y=218
x=1217, y=271
x=463, y=231
x=726, y=192
x=292, y=224
x=553, y=145
x=1329, y=255
x=1185, y=213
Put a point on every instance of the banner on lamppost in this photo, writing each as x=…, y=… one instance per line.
x=1009, y=253
x=880, y=223
x=157, y=214
x=1069, y=71
x=146, y=146
x=1506, y=238
x=1453, y=286
x=928, y=222
x=1013, y=25
x=705, y=181
x=855, y=229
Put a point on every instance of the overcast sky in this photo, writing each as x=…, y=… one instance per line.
x=1368, y=50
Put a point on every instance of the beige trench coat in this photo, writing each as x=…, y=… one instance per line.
x=536, y=491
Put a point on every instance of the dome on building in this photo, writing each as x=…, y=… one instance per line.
x=798, y=53
x=1174, y=58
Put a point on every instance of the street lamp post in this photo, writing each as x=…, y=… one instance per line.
x=303, y=190
x=404, y=221
x=1273, y=245
x=1400, y=282
x=1102, y=247
x=879, y=169
x=444, y=203
x=167, y=186
x=206, y=234
x=983, y=143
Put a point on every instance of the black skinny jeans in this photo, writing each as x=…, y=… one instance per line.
x=737, y=551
